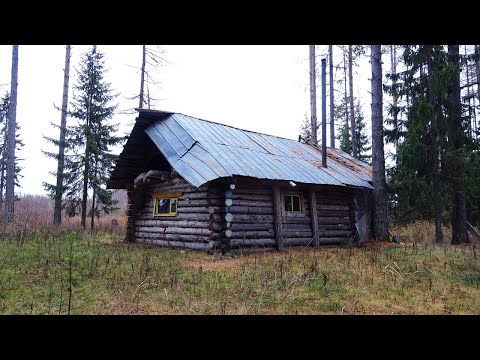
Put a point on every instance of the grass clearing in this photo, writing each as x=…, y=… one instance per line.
x=96, y=273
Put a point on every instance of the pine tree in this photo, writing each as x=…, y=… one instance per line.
x=4, y=105
x=378, y=158
x=88, y=162
x=455, y=153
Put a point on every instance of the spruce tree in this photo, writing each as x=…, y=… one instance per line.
x=88, y=160
x=341, y=114
x=362, y=139
x=342, y=119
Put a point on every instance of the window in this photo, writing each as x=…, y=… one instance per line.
x=293, y=203
x=165, y=204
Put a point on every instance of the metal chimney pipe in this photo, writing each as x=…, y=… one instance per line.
x=324, y=112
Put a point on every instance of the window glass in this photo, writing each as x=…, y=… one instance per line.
x=293, y=203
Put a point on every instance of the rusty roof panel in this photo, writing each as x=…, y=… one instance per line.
x=201, y=151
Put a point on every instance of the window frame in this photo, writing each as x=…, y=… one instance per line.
x=300, y=199
x=170, y=196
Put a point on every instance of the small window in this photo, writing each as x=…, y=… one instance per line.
x=293, y=203
x=165, y=206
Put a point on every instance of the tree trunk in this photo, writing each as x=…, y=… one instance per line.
x=92, y=218
x=477, y=72
x=142, y=75
x=435, y=158
x=457, y=165
x=470, y=117
x=57, y=213
x=92, y=212
x=378, y=158
x=85, y=188
x=352, y=112
x=2, y=179
x=332, y=98
x=394, y=97
x=12, y=119
x=346, y=93
x=313, y=95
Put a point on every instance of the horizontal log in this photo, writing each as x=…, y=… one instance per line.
x=171, y=237
x=297, y=234
x=252, y=218
x=332, y=202
x=296, y=214
x=333, y=220
x=251, y=191
x=252, y=242
x=254, y=203
x=298, y=227
x=252, y=234
x=251, y=210
x=199, y=209
x=251, y=197
x=297, y=220
x=195, y=195
x=336, y=233
x=334, y=240
x=199, y=202
x=299, y=241
x=180, y=244
x=321, y=207
x=148, y=215
x=161, y=188
x=251, y=226
x=337, y=226
x=174, y=230
x=179, y=223
x=333, y=213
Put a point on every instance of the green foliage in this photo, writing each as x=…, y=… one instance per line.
x=342, y=119
x=88, y=161
x=341, y=115
x=305, y=130
x=410, y=181
x=361, y=134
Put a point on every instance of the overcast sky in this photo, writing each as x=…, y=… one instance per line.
x=261, y=88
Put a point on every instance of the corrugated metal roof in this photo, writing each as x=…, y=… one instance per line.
x=201, y=151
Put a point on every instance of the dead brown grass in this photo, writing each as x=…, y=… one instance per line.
x=420, y=232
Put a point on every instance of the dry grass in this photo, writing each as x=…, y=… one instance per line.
x=41, y=267
x=420, y=232
x=109, y=276
x=35, y=213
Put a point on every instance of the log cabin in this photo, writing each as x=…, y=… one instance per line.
x=197, y=184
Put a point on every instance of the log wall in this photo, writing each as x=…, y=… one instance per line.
x=242, y=215
x=252, y=222
x=334, y=214
x=297, y=226
x=197, y=224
